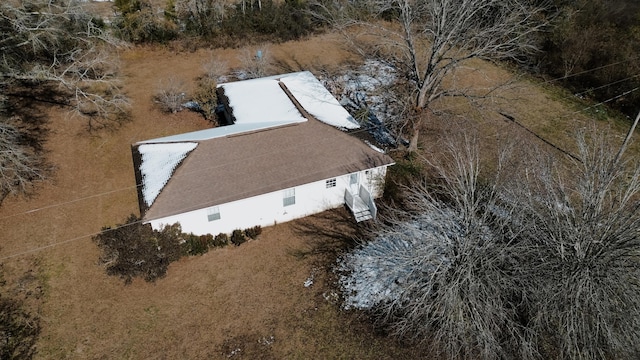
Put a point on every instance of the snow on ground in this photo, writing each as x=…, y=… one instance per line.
x=260, y=100
x=318, y=101
x=367, y=88
x=381, y=270
x=158, y=163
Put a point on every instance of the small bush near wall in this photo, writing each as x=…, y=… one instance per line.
x=197, y=245
x=220, y=240
x=132, y=249
x=237, y=237
x=253, y=232
x=170, y=242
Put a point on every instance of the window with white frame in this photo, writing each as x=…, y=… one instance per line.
x=289, y=197
x=331, y=183
x=213, y=213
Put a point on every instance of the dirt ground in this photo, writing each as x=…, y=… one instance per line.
x=237, y=302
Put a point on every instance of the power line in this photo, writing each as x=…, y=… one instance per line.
x=213, y=167
x=590, y=70
x=367, y=129
x=54, y=205
x=25, y=252
x=607, y=85
x=68, y=202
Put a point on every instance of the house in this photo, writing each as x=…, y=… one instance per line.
x=286, y=155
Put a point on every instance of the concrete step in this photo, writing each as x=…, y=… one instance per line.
x=363, y=215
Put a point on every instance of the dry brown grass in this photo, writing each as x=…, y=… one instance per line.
x=549, y=111
x=207, y=306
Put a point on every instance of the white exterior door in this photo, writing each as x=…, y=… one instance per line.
x=353, y=183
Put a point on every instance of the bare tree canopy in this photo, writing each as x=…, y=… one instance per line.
x=52, y=53
x=52, y=45
x=20, y=165
x=542, y=263
x=582, y=222
x=428, y=40
x=441, y=270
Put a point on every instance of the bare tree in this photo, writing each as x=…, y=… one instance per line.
x=21, y=166
x=445, y=268
x=428, y=40
x=543, y=263
x=202, y=16
x=255, y=63
x=581, y=220
x=216, y=69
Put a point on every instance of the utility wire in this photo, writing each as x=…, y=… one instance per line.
x=590, y=70
x=371, y=128
x=140, y=221
x=211, y=168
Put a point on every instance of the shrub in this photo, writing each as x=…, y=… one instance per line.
x=237, y=237
x=170, y=242
x=19, y=330
x=197, y=245
x=253, y=232
x=255, y=63
x=130, y=250
x=139, y=23
x=220, y=240
x=266, y=20
x=170, y=95
x=207, y=239
x=207, y=98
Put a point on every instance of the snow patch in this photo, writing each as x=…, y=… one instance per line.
x=158, y=163
x=374, y=147
x=308, y=282
x=380, y=271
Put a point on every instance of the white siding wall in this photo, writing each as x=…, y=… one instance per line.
x=268, y=209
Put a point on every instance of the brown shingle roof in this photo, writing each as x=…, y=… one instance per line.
x=226, y=169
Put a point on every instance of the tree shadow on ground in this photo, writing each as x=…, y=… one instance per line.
x=26, y=109
x=25, y=128
x=329, y=234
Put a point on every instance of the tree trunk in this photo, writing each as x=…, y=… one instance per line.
x=417, y=119
x=421, y=100
x=413, y=144
x=625, y=143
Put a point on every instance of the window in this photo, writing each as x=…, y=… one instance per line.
x=213, y=213
x=289, y=197
x=331, y=183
